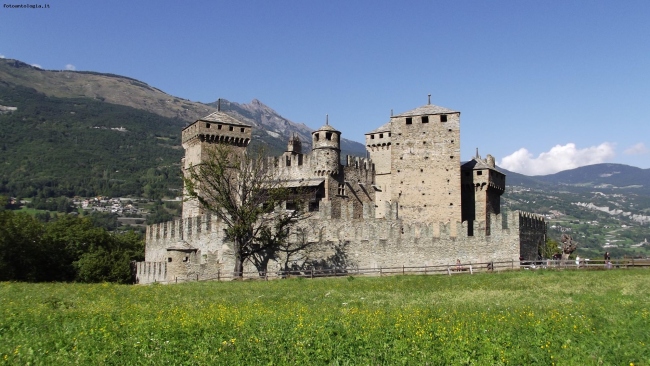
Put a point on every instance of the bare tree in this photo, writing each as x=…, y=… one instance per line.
x=568, y=246
x=240, y=189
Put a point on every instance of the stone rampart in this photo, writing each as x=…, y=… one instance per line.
x=356, y=243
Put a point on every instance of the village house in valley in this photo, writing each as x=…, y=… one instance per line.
x=411, y=202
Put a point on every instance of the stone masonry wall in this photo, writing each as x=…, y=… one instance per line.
x=364, y=243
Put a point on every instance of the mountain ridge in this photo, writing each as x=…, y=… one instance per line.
x=130, y=92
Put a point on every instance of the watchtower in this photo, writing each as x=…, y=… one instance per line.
x=482, y=187
x=378, y=145
x=216, y=128
x=326, y=150
x=425, y=163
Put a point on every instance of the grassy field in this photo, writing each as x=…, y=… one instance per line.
x=541, y=317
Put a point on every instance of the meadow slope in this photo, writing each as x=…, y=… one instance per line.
x=542, y=317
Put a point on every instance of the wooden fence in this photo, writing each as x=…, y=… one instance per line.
x=451, y=269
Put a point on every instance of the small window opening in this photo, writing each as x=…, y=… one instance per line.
x=328, y=135
x=381, y=135
x=425, y=119
x=186, y=259
x=169, y=259
x=451, y=157
x=243, y=129
x=218, y=127
x=231, y=128
x=313, y=207
x=449, y=130
x=372, y=137
x=443, y=118
x=424, y=142
x=207, y=125
x=479, y=173
x=409, y=120
x=316, y=136
x=342, y=189
x=421, y=170
x=290, y=205
x=288, y=161
x=389, y=134
x=451, y=204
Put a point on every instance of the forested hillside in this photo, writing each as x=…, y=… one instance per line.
x=53, y=147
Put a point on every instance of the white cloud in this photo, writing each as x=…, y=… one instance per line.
x=557, y=159
x=70, y=67
x=37, y=65
x=2, y=56
x=638, y=149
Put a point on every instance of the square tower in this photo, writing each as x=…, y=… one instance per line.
x=425, y=164
x=482, y=187
x=216, y=128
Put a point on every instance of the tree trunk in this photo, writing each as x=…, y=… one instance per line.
x=239, y=263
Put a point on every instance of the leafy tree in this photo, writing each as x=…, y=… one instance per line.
x=549, y=248
x=21, y=251
x=239, y=189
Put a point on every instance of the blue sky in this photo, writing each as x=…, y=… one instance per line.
x=541, y=85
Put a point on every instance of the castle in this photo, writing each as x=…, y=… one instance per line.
x=409, y=203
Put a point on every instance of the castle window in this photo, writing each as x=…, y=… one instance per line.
x=231, y=128
x=389, y=134
x=243, y=129
x=328, y=135
x=372, y=137
x=316, y=136
x=207, y=125
x=479, y=173
x=342, y=189
x=381, y=135
x=186, y=259
x=300, y=159
x=409, y=120
x=290, y=206
x=421, y=170
x=451, y=204
x=313, y=207
x=169, y=259
x=449, y=130
x=218, y=127
x=451, y=157
x=443, y=118
x=425, y=119
x=288, y=161
x=424, y=142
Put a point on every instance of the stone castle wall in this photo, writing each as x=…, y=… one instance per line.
x=359, y=243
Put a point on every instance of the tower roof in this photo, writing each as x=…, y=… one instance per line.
x=426, y=109
x=478, y=164
x=383, y=128
x=221, y=117
x=327, y=128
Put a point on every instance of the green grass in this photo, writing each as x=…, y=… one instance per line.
x=541, y=317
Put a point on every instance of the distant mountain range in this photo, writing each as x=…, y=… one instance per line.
x=605, y=177
x=271, y=128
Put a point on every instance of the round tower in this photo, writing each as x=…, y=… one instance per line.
x=326, y=150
